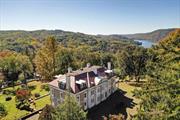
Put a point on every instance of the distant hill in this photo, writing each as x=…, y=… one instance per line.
x=154, y=36
x=17, y=39
x=59, y=34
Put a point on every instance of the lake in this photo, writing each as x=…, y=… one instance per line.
x=146, y=43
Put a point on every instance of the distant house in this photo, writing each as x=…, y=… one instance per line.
x=89, y=85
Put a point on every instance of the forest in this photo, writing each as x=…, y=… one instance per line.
x=24, y=55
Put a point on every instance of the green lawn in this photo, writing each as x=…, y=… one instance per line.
x=128, y=89
x=38, y=88
x=13, y=112
x=42, y=102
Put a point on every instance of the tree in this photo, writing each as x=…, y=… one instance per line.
x=45, y=59
x=70, y=110
x=25, y=66
x=3, y=111
x=51, y=47
x=160, y=94
x=81, y=55
x=132, y=61
x=107, y=57
x=65, y=59
x=13, y=63
x=47, y=113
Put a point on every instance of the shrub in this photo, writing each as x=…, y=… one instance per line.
x=23, y=105
x=32, y=87
x=22, y=94
x=37, y=95
x=45, y=87
x=22, y=99
x=4, y=92
x=23, y=86
x=3, y=111
x=8, y=92
x=8, y=98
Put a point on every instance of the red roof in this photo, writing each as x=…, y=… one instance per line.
x=82, y=75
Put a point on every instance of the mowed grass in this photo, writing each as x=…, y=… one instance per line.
x=13, y=112
x=128, y=89
x=40, y=103
x=36, y=90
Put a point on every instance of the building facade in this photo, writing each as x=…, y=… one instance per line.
x=90, y=85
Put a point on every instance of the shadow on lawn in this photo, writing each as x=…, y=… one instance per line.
x=114, y=105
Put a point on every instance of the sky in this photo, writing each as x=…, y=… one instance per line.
x=90, y=16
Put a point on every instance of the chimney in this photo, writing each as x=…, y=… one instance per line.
x=88, y=65
x=88, y=81
x=69, y=69
x=68, y=79
x=109, y=65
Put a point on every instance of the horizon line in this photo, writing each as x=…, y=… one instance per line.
x=26, y=30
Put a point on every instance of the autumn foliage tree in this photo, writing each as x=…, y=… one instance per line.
x=22, y=99
x=45, y=59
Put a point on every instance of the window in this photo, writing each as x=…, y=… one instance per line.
x=56, y=93
x=98, y=98
x=92, y=92
x=99, y=89
x=92, y=100
x=85, y=95
x=85, y=104
x=105, y=94
x=62, y=95
x=82, y=86
x=77, y=98
x=62, y=85
x=52, y=92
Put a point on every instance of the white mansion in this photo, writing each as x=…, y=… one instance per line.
x=89, y=85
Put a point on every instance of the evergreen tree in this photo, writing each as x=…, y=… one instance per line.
x=70, y=110
x=161, y=94
x=47, y=113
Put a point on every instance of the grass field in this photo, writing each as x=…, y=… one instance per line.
x=13, y=112
x=120, y=102
x=128, y=89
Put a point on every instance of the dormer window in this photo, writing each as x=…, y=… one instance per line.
x=81, y=83
x=82, y=86
x=62, y=84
